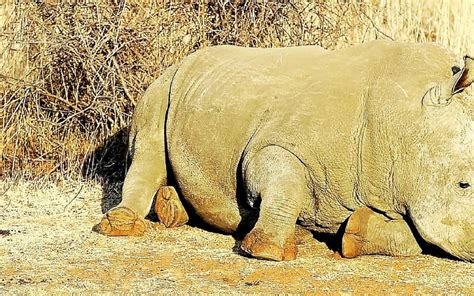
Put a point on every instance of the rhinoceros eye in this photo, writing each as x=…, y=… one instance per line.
x=464, y=185
x=455, y=69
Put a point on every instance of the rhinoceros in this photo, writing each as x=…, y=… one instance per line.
x=374, y=140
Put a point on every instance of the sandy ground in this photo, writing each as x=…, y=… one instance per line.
x=47, y=246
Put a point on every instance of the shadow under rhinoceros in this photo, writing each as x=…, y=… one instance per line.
x=108, y=165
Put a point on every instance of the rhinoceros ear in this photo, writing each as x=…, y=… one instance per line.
x=441, y=94
x=466, y=76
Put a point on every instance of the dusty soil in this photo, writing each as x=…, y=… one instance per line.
x=47, y=246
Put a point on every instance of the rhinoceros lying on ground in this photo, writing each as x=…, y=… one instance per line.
x=381, y=133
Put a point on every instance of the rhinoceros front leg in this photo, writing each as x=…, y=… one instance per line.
x=370, y=233
x=278, y=177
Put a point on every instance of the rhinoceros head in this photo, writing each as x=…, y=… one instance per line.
x=441, y=201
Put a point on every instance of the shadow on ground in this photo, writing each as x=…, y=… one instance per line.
x=108, y=165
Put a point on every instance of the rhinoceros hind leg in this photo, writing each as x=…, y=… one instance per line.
x=278, y=178
x=370, y=233
x=122, y=221
x=169, y=208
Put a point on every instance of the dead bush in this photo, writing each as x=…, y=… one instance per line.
x=72, y=71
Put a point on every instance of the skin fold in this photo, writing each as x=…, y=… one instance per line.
x=376, y=135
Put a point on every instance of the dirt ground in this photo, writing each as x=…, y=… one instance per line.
x=47, y=246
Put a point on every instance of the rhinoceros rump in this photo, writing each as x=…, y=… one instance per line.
x=260, y=139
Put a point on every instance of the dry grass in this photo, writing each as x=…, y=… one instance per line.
x=71, y=74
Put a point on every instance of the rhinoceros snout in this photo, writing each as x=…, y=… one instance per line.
x=449, y=227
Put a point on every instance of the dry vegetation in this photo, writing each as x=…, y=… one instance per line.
x=72, y=71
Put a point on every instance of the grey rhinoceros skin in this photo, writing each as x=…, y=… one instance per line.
x=304, y=135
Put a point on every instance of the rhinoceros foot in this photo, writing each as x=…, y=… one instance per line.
x=121, y=221
x=355, y=233
x=169, y=208
x=260, y=245
x=371, y=233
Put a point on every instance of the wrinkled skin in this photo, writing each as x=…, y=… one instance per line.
x=259, y=139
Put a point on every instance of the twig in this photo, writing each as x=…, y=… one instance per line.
x=122, y=81
x=375, y=26
x=77, y=194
